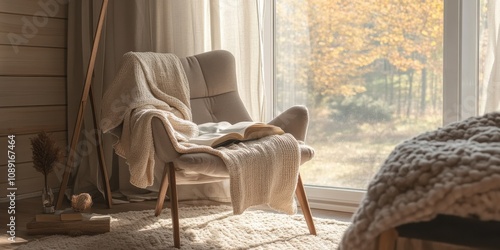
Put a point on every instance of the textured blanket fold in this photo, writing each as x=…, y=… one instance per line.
x=454, y=170
x=151, y=85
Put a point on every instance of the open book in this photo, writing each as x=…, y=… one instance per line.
x=222, y=133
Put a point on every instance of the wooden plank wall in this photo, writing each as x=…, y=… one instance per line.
x=33, y=39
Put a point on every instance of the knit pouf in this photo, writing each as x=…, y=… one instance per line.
x=454, y=170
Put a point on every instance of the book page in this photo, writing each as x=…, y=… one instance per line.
x=240, y=127
x=210, y=132
x=214, y=134
x=212, y=127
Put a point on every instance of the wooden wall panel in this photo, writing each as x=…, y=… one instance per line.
x=32, y=61
x=31, y=185
x=20, y=30
x=24, y=120
x=32, y=83
x=25, y=171
x=23, y=146
x=32, y=91
x=51, y=8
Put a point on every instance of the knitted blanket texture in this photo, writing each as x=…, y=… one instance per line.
x=150, y=85
x=454, y=170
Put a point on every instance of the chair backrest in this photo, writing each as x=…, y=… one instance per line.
x=213, y=88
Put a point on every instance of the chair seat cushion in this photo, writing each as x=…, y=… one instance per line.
x=206, y=166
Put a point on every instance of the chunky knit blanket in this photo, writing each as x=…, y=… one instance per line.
x=454, y=170
x=149, y=85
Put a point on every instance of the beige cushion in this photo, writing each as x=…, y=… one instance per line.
x=213, y=90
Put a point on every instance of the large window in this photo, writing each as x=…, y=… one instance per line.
x=374, y=73
x=370, y=74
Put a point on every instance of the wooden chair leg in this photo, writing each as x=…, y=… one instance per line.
x=304, y=205
x=163, y=192
x=387, y=240
x=174, y=204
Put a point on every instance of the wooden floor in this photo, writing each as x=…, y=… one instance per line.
x=27, y=208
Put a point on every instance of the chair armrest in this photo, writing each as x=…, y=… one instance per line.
x=294, y=120
x=163, y=146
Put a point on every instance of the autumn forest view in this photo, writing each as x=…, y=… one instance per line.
x=370, y=72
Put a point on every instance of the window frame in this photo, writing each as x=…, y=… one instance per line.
x=460, y=59
x=460, y=83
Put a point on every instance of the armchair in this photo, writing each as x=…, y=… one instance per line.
x=214, y=97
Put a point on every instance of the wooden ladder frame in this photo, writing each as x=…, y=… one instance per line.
x=87, y=91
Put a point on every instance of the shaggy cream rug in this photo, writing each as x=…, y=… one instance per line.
x=212, y=227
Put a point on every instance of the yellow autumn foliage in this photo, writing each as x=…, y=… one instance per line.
x=329, y=45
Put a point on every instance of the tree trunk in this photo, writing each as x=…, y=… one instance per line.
x=386, y=81
x=434, y=92
x=423, y=92
x=391, y=93
x=410, y=90
x=386, y=88
x=399, y=94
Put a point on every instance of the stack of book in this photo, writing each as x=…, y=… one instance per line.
x=64, y=215
x=69, y=222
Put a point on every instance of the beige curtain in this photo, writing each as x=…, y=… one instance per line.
x=491, y=81
x=183, y=27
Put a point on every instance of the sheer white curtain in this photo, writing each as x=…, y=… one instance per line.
x=191, y=27
x=182, y=27
x=491, y=80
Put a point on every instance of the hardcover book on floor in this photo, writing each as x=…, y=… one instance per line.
x=89, y=224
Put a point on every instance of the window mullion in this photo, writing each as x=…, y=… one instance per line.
x=469, y=59
x=451, y=61
x=461, y=56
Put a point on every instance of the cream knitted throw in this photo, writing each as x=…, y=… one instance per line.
x=151, y=85
x=454, y=170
